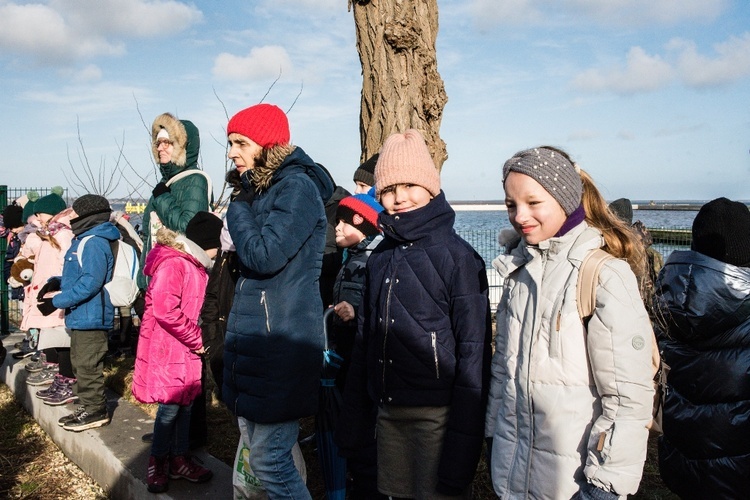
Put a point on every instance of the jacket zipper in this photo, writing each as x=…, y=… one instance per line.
x=554, y=330
x=264, y=303
x=433, y=335
x=528, y=389
x=387, y=321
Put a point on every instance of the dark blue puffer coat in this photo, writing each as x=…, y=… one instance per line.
x=705, y=449
x=424, y=335
x=273, y=351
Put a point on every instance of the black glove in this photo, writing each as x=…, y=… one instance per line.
x=46, y=307
x=52, y=285
x=160, y=189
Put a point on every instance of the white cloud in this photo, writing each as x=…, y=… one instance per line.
x=732, y=62
x=260, y=64
x=682, y=62
x=609, y=12
x=133, y=18
x=642, y=72
x=42, y=33
x=59, y=32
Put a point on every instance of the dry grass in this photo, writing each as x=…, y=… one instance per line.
x=31, y=465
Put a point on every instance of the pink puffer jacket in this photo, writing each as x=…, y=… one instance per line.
x=48, y=262
x=166, y=368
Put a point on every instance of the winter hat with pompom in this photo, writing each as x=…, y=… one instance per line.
x=28, y=208
x=51, y=204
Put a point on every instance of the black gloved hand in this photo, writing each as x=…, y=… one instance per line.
x=46, y=307
x=160, y=189
x=52, y=285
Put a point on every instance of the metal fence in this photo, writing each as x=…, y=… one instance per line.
x=666, y=240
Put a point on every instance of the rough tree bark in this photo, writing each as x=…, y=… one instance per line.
x=401, y=86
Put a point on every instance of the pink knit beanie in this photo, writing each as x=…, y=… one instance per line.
x=405, y=159
x=264, y=124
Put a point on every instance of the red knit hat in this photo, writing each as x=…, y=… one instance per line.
x=264, y=124
x=405, y=159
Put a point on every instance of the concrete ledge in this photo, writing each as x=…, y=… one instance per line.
x=114, y=455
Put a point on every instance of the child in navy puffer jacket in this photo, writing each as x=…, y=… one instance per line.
x=422, y=353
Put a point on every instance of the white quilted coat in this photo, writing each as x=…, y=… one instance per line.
x=567, y=407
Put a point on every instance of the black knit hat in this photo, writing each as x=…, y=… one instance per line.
x=90, y=204
x=623, y=208
x=721, y=230
x=12, y=216
x=366, y=172
x=204, y=229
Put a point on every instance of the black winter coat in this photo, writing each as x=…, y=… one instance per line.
x=349, y=287
x=424, y=336
x=705, y=449
x=216, y=307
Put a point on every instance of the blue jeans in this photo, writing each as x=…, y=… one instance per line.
x=171, y=430
x=271, y=459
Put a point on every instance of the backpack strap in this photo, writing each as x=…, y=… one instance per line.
x=192, y=171
x=588, y=279
x=113, y=246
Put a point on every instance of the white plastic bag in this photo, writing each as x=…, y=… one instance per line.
x=248, y=487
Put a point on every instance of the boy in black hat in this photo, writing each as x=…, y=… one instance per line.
x=89, y=313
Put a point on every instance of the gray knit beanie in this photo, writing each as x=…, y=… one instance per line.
x=553, y=171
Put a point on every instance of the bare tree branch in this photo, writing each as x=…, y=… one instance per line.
x=271, y=87
x=301, y=86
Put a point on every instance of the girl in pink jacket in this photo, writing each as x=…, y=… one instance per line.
x=168, y=358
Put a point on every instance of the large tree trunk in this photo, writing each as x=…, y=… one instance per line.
x=401, y=86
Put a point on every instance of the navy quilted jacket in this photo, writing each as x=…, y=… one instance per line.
x=705, y=449
x=273, y=351
x=424, y=335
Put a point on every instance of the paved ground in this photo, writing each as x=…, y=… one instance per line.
x=114, y=456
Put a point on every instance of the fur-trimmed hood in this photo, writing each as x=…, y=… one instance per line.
x=284, y=160
x=181, y=243
x=185, y=138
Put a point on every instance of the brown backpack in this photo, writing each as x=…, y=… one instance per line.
x=588, y=279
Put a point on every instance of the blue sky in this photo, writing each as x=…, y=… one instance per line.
x=651, y=97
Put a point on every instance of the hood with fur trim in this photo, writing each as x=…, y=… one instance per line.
x=185, y=138
x=285, y=159
x=178, y=241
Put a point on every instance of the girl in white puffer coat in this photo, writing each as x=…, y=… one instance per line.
x=569, y=402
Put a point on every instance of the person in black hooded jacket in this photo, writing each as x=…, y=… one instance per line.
x=703, y=296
